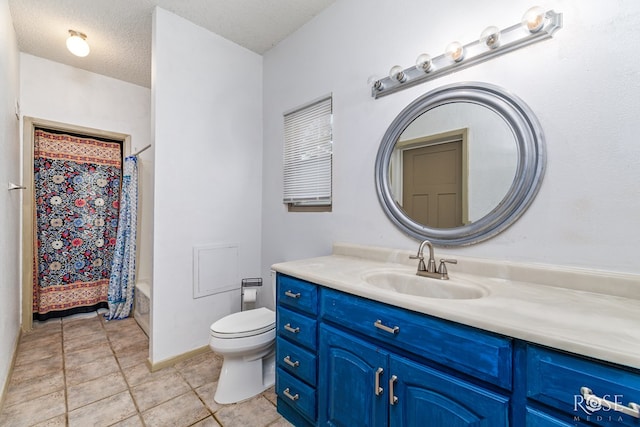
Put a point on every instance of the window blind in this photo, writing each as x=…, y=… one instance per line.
x=308, y=150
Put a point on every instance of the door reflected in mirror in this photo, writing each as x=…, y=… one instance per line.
x=453, y=165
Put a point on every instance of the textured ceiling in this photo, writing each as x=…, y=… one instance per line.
x=119, y=31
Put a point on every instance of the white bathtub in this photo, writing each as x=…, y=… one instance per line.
x=142, y=305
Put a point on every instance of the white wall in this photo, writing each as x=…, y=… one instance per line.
x=583, y=85
x=207, y=95
x=60, y=93
x=9, y=200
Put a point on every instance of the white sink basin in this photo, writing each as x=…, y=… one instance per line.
x=411, y=284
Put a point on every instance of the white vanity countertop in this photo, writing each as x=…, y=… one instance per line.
x=592, y=313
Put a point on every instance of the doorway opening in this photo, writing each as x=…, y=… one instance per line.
x=70, y=211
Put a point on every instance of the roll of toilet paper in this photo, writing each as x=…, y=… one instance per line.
x=250, y=295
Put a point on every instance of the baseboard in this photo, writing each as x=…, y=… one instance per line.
x=156, y=366
x=11, y=365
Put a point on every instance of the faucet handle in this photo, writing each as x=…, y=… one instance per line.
x=419, y=256
x=442, y=269
x=421, y=266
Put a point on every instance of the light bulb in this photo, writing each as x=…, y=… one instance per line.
x=77, y=43
x=375, y=82
x=424, y=62
x=397, y=73
x=455, y=51
x=534, y=19
x=490, y=37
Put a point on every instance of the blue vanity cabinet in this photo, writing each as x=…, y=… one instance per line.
x=296, y=349
x=367, y=377
x=558, y=380
x=343, y=360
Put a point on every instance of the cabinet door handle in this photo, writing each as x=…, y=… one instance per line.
x=633, y=409
x=392, y=399
x=378, y=324
x=378, y=389
x=288, y=361
x=290, y=294
x=290, y=329
x=293, y=397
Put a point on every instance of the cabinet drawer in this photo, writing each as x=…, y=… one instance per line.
x=296, y=393
x=477, y=353
x=297, y=294
x=297, y=327
x=537, y=418
x=556, y=379
x=297, y=361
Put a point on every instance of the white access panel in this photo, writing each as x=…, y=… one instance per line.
x=215, y=269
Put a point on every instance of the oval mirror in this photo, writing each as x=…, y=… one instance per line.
x=460, y=164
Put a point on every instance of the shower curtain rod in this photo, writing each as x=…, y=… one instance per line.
x=140, y=151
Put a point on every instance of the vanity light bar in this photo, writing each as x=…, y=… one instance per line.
x=490, y=44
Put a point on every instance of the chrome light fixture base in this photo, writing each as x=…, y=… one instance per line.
x=511, y=38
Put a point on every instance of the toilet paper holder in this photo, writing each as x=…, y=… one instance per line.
x=251, y=282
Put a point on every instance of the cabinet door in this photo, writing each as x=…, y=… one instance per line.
x=428, y=397
x=346, y=382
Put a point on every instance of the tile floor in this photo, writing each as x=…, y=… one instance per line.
x=89, y=372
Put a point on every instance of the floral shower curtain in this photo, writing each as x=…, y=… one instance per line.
x=122, y=282
x=77, y=183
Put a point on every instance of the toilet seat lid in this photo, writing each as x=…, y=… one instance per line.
x=244, y=323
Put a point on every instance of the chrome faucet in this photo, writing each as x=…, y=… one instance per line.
x=429, y=269
x=431, y=264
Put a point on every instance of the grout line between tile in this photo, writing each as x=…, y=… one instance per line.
x=129, y=387
x=198, y=396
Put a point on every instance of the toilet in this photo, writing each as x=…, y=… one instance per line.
x=246, y=341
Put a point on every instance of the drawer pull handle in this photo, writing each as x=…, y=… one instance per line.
x=378, y=324
x=594, y=401
x=293, y=397
x=291, y=294
x=290, y=329
x=378, y=389
x=288, y=361
x=392, y=399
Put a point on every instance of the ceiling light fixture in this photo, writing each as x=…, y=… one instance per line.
x=77, y=43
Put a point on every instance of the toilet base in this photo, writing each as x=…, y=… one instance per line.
x=241, y=379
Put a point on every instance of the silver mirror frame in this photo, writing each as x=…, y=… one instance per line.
x=529, y=172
